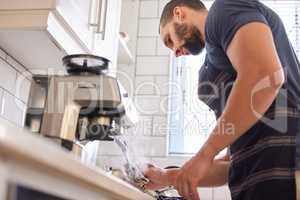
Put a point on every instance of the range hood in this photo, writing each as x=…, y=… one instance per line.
x=34, y=32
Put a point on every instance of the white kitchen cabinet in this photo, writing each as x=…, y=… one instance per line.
x=78, y=15
x=107, y=36
x=39, y=33
x=96, y=23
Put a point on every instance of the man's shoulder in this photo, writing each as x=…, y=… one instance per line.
x=225, y=16
x=224, y=4
x=215, y=12
x=221, y=9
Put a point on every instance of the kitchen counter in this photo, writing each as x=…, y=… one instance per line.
x=31, y=161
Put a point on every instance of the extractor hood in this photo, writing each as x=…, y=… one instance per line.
x=36, y=34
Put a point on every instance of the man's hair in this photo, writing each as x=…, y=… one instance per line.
x=167, y=13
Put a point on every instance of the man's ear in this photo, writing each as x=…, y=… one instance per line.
x=178, y=14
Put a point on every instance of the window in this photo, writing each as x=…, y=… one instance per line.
x=191, y=121
x=289, y=11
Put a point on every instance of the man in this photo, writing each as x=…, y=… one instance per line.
x=250, y=59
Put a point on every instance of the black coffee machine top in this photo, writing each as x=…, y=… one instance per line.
x=78, y=64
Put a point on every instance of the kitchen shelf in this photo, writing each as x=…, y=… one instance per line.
x=124, y=54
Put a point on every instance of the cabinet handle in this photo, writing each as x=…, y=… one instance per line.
x=100, y=29
x=100, y=23
x=91, y=13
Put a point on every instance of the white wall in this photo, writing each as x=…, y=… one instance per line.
x=14, y=89
x=147, y=81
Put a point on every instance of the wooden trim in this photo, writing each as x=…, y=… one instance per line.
x=29, y=19
x=27, y=4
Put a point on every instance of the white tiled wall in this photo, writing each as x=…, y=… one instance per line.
x=149, y=9
x=152, y=65
x=147, y=82
x=148, y=27
x=9, y=76
x=14, y=89
x=146, y=46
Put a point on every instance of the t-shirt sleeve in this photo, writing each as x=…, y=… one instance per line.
x=228, y=16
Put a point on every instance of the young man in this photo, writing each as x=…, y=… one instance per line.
x=252, y=67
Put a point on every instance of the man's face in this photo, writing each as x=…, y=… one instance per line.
x=183, y=39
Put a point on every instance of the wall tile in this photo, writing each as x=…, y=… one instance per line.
x=108, y=148
x=7, y=77
x=148, y=9
x=162, y=50
x=146, y=46
x=143, y=127
x=160, y=125
x=22, y=88
x=152, y=65
x=13, y=109
x=140, y=146
x=151, y=105
x=144, y=85
x=163, y=83
x=148, y=27
x=150, y=146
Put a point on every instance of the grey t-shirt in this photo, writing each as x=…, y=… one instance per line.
x=225, y=18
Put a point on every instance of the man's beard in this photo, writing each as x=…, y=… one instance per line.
x=193, y=41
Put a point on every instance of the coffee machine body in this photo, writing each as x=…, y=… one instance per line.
x=81, y=107
x=85, y=105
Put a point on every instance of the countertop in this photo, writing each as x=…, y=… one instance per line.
x=19, y=144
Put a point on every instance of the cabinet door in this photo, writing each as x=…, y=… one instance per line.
x=78, y=15
x=107, y=36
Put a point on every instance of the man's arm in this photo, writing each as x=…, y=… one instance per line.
x=217, y=175
x=259, y=78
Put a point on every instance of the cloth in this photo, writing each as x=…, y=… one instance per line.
x=264, y=159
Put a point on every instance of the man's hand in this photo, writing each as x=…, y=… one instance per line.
x=159, y=178
x=191, y=174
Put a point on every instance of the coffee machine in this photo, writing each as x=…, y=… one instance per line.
x=84, y=105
